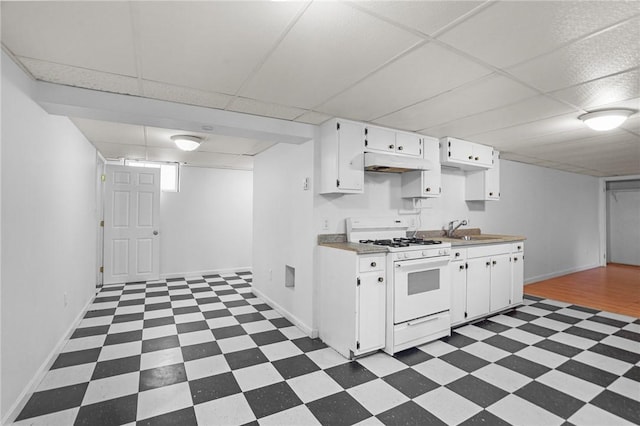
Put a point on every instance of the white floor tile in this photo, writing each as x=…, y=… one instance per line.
x=160, y=358
x=626, y=387
x=570, y=385
x=160, y=331
x=239, y=310
x=237, y=343
x=163, y=400
x=112, y=387
x=232, y=410
x=618, y=317
x=508, y=321
x=120, y=351
x=122, y=327
x=597, y=326
x=551, y=324
x=230, y=297
x=377, y=396
x=280, y=350
x=502, y=377
x=485, y=351
x=257, y=376
x=571, y=340
x=517, y=411
x=437, y=348
x=205, y=367
x=95, y=321
x=590, y=415
x=292, y=332
x=126, y=310
x=258, y=326
x=195, y=316
x=534, y=311
x=522, y=336
x=574, y=313
x=370, y=421
x=382, y=364
x=67, y=376
x=603, y=362
x=84, y=343
x=215, y=306
x=439, y=371
x=314, y=386
x=447, y=405
x=271, y=314
x=193, y=338
x=475, y=332
x=222, y=322
x=326, y=358
x=60, y=418
x=541, y=356
x=622, y=343
x=632, y=327
x=158, y=313
x=295, y=416
x=556, y=303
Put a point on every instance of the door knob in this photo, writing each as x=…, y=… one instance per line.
x=155, y=232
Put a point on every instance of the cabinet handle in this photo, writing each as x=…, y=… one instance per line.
x=400, y=148
x=380, y=279
x=515, y=259
x=457, y=254
x=428, y=189
x=494, y=262
x=519, y=247
x=462, y=267
x=491, y=194
x=488, y=263
x=391, y=147
x=477, y=158
x=373, y=264
x=471, y=157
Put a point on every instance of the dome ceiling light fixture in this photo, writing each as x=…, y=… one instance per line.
x=187, y=142
x=606, y=119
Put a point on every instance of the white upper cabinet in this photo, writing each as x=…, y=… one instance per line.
x=426, y=184
x=465, y=155
x=341, y=157
x=484, y=185
x=381, y=139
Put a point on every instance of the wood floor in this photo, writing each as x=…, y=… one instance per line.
x=615, y=288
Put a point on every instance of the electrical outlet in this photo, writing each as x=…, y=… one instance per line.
x=305, y=184
x=325, y=225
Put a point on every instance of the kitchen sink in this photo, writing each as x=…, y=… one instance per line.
x=475, y=237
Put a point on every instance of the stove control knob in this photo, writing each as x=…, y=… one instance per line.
x=425, y=253
x=406, y=255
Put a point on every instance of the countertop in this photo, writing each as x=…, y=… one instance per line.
x=339, y=241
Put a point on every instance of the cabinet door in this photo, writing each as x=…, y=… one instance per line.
x=458, y=292
x=492, y=177
x=478, y=286
x=350, y=157
x=380, y=139
x=482, y=154
x=460, y=150
x=432, y=179
x=371, y=312
x=500, y=282
x=517, y=277
x=409, y=144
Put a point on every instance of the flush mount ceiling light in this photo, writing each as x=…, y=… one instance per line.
x=606, y=119
x=186, y=142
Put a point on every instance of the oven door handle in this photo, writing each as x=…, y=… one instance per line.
x=423, y=320
x=429, y=263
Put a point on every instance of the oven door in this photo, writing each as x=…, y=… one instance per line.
x=421, y=287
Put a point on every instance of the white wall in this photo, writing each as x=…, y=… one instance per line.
x=623, y=217
x=556, y=211
x=283, y=231
x=207, y=226
x=48, y=232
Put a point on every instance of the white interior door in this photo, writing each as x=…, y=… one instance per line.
x=131, y=224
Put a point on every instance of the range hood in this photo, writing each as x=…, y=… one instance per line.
x=390, y=163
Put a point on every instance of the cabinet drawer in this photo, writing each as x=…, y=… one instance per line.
x=488, y=250
x=517, y=247
x=420, y=328
x=371, y=263
x=458, y=254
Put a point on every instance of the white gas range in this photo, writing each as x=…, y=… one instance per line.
x=418, y=293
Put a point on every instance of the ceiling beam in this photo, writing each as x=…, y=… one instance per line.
x=92, y=104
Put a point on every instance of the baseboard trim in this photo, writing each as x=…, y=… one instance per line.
x=313, y=333
x=205, y=272
x=31, y=387
x=548, y=276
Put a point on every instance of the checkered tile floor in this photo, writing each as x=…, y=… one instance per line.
x=207, y=351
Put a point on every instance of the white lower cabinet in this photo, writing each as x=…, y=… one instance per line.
x=485, y=279
x=352, y=301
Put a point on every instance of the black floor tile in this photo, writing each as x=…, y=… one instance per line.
x=339, y=409
x=213, y=387
x=262, y=307
x=235, y=303
x=162, y=376
x=583, y=309
x=157, y=306
x=117, y=411
x=160, y=343
x=132, y=302
x=229, y=331
x=200, y=350
x=113, y=367
x=251, y=317
x=268, y=337
x=205, y=300
x=105, y=299
x=245, y=358
x=225, y=292
x=127, y=318
x=523, y=366
x=408, y=413
x=177, y=297
x=295, y=366
x=410, y=382
x=157, y=322
x=619, y=405
x=587, y=372
x=51, y=401
x=90, y=331
x=184, y=417
x=557, y=347
x=201, y=290
x=626, y=334
x=281, y=322
x=616, y=353
x=559, y=403
x=458, y=340
x=350, y=374
x=477, y=390
x=218, y=313
x=100, y=313
x=546, y=306
x=186, y=310
x=271, y=399
x=531, y=297
x=125, y=337
x=412, y=356
x=464, y=360
x=306, y=344
x=563, y=318
x=484, y=418
x=492, y=326
x=505, y=343
x=67, y=359
x=188, y=327
x=521, y=315
x=537, y=330
x=608, y=321
x=107, y=288
x=249, y=295
x=633, y=374
x=583, y=332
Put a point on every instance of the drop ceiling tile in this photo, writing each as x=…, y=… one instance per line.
x=330, y=47
x=90, y=35
x=606, y=90
x=252, y=106
x=482, y=95
x=81, y=77
x=161, y=138
x=199, y=159
x=529, y=110
x=99, y=132
x=419, y=75
x=116, y=150
x=211, y=46
x=509, y=32
x=603, y=54
x=427, y=17
x=184, y=95
x=313, y=117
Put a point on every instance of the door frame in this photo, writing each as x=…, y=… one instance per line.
x=101, y=164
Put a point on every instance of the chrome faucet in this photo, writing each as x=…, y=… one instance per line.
x=451, y=229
